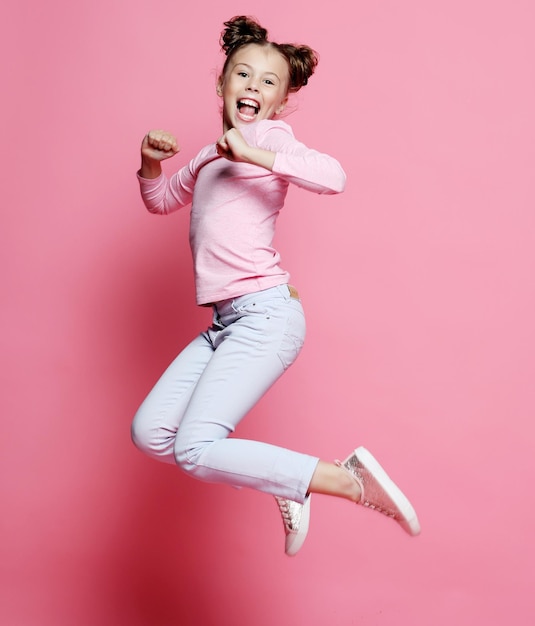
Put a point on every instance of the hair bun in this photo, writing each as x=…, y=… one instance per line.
x=302, y=61
x=241, y=30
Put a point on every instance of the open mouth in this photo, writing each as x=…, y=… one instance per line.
x=248, y=109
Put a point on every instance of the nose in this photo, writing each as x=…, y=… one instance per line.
x=252, y=86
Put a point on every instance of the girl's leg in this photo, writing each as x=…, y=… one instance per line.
x=216, y=380
x=157, y=420
x=261, y=335
x=332, y=480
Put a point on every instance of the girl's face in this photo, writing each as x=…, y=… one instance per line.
x=254, y=86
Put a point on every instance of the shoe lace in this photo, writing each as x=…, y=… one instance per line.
x=290, y=513
x=363, y=499
x=378, y=508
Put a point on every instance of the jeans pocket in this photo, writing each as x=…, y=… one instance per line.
x=293, y=338
x=252, y=308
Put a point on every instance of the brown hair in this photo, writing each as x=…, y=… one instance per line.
x=242, y=30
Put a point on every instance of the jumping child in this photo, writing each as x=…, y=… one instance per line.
x=236, y=188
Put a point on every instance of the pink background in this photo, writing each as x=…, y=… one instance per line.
x=418, y=283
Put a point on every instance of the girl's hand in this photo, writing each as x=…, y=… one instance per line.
x=232, y=146
x=159, y=145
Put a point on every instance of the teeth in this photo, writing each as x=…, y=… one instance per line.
x=249, y=103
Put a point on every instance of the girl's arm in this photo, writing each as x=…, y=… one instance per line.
x=272, y=145
x=233, y=147
x=159, y=194
x=157, y=146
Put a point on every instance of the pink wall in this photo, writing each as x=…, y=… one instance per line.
x=418, y=284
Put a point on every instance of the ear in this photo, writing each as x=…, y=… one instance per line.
x=219, y=87
x=281, y=106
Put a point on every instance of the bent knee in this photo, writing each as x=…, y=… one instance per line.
x=154, y=442
x=139, y=435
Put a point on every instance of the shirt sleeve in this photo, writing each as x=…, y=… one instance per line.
x=158, y=196
x=299, y=164
x=165, y=195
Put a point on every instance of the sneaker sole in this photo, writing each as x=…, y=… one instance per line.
x=409, y=520
x=298, y=539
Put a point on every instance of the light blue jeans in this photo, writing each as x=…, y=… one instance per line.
x=214, y=382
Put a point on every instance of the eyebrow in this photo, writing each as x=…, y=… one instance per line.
x=250, y=67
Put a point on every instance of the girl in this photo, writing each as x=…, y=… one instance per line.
x=236, y=188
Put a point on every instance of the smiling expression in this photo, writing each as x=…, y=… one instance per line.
x=254, y=86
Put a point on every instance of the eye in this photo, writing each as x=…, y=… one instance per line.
x=268, y=81
x=242, y=74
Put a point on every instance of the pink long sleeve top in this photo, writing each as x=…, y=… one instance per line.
x=234, y=208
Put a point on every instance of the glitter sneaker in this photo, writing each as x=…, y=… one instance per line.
x=378, y=491
x=295, y=518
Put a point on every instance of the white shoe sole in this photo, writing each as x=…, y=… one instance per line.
x=407, y=519
x=295, y=541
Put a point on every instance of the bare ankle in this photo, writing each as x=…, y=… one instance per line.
x=350, y=489
x=332, y=479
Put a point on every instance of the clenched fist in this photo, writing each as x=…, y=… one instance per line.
x=232, y=145
x=157, y=146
